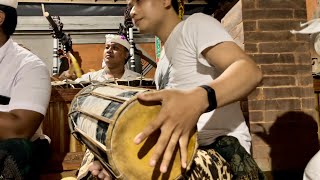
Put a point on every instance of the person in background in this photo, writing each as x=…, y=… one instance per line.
x=24, y=97
x=115, y=56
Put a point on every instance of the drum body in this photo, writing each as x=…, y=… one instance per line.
x=107, y=117
x=139, y=82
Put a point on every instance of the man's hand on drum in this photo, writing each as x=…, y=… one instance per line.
x=177, y=121
x=98, y=171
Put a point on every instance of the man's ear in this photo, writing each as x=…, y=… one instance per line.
x=167, y=3
x=2, y=17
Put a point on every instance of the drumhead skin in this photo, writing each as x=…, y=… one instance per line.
x=131, y=160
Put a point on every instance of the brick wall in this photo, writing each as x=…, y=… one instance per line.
x=282, y=115
x=281, y=111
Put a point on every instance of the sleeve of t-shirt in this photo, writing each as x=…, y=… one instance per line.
x=204, y=31
x=32, y=88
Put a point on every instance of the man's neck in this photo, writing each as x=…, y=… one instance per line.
x=115, y=72
x=3, y=39
x=167, y=26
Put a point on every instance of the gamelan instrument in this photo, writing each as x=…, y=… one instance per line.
x=107, y=117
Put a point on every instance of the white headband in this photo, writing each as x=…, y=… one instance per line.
x=118, y=39
x=11, y=3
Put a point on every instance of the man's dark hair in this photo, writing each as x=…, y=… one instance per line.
x=10, y=22
x=175, y=5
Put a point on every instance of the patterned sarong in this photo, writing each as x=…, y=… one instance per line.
x=224, y=159
x=15, y=159
x=23, y=159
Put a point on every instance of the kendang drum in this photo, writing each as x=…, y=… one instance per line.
x=107, y=117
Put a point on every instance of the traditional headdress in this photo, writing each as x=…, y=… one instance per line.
x=118, y=39
x=11, y=3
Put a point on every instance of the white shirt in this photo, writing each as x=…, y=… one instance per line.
x=25, y=79
x=312, y=170
x=182, y=66
x=101, y=76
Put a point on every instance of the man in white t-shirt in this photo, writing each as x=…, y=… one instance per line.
x=204, y=75
x=24, y=97
x=115, y=56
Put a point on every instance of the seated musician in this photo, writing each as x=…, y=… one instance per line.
x=205, y=74
x=24, y=97
x=115, y=56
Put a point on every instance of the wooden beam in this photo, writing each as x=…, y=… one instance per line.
x=99, y=1
x=38, y=23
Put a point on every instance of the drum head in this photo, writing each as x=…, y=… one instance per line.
x=131, y=160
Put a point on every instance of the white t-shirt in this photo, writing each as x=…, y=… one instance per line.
x=312, y=170
x=101, y=76
x=25, y=79
x=182, y=66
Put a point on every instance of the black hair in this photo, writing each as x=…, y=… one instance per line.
x=10, y=22
x=175, y=5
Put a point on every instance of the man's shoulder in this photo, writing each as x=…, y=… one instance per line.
x=26, y=56
x=199, y=18
x=132, y=73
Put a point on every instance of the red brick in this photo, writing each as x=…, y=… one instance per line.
x=272, y=115
x=256, y=94
x=302, y=37
x=270, y=36
x=295, y=4
x=256, y=116
x=302, y=58
x=279, y=69
x=251, y=47
x=283, y=47
x=249, y=26
x=286, y=92
x=292, y=104
x=278, y=81
x=283, y=104
x=271, y=58
x=308, y=103
x=248, y=4
x=305, y=70
x=300, y=14
x=254, y=14
x=256, y=105
x=278, y=25
x=305, y=80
